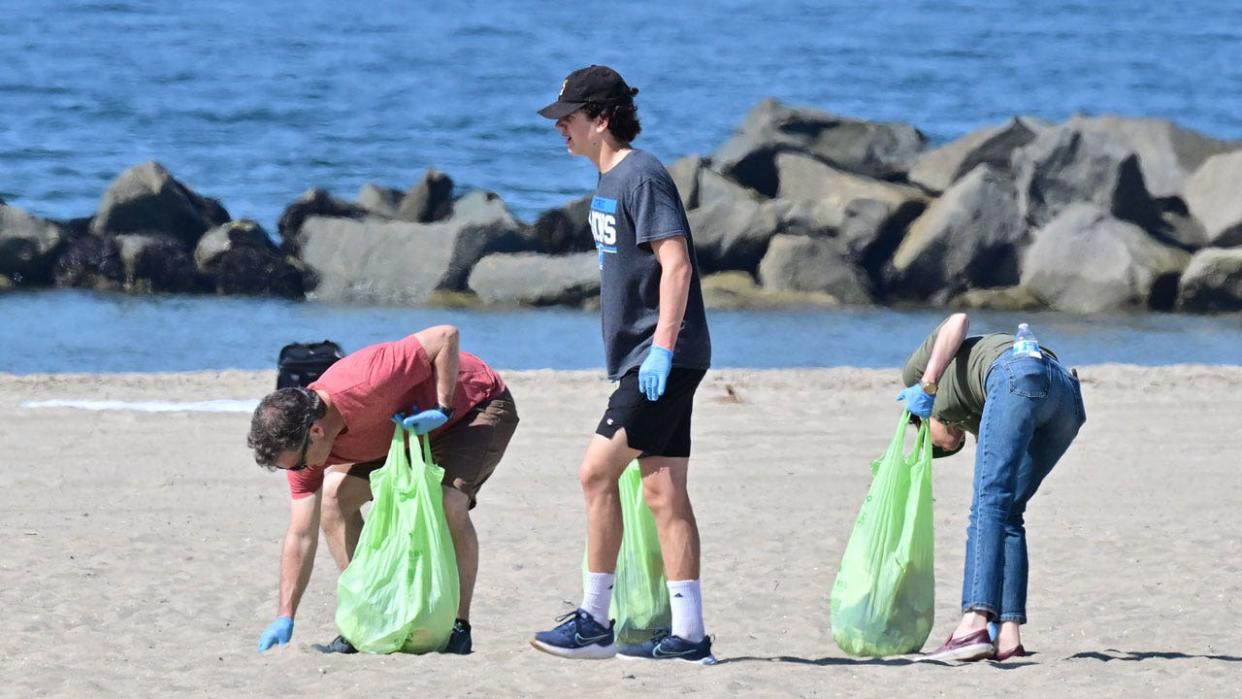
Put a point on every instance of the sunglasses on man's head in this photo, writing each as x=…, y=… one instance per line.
x=302, y=454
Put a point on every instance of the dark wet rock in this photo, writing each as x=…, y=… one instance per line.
x=1212, y=281
x=240, y=258
x=430, y=199
x=29, y=246
x=157, y=263
x=90, y=262
x=565, y=230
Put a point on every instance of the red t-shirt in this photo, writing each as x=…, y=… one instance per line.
x=368, y=386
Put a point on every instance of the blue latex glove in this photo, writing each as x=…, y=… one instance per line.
x=653, y=374
x=279, y=631
x=917, y=402
x=421, y=422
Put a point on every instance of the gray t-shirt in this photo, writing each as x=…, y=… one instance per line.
x=635, y=203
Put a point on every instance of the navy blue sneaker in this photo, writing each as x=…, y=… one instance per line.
x=580, y=636
x=665, y=646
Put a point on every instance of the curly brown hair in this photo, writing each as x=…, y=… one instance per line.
x=622, y=118
x=281, y=421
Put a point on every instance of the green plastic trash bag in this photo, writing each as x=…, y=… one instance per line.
x=640, y=592
x=400, y=591
x=884, y=597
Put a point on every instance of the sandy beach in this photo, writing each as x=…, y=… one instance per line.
x=140, y=549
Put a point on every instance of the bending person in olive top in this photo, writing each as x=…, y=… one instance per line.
x=329, y=437
x=657, y=348
x=1025, y=411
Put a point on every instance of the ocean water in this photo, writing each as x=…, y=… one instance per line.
x=254, y=101
x=78, y=331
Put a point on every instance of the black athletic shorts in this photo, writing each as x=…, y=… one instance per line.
x=656, y=428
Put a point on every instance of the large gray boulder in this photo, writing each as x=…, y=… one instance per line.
x=971, y=237
x=1212, y=281
x=565, y=230
x=713, y=187
x=699, y=185
x=1167, y=152
x=1063, y=166
x=1086, y=261
x=874, y=149
x=147, y=199
x=531, y=279
x=936, y=170
x=482, y=208
x=832, y=189
x=734, y=234
x=430, y=199
x=803, y=263
x=29, y=246
x=155, y=263
x=685, y=174
x=871, y=231
x=398, y=262
x=1214, y=196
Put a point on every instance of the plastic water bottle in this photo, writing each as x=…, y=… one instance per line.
x=1025, y=344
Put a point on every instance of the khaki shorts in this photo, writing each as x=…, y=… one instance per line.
x=471, y=448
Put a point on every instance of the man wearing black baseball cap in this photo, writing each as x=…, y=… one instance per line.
x=591, y=85
x=657, y=348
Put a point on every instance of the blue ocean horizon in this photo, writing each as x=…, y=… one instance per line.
x=252, y=103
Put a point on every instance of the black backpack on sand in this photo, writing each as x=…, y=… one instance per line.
x=300, y=363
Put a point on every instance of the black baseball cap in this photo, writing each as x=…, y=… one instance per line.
x=594, y=84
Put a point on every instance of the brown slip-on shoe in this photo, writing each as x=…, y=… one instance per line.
x=975, y=646
x=1016, y=652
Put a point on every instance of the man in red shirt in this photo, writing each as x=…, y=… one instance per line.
x=329, y=437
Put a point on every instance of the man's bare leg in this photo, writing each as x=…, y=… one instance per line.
x=465, y=544
x=601, y=467
x=341, y=513
x=664, y=488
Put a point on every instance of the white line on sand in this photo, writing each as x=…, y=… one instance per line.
x=150, y=406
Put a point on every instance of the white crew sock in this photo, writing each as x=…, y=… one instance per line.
x=686, y=602
x=597, y=596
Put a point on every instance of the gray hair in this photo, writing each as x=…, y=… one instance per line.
x=281, y=421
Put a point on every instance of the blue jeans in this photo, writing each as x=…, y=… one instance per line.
x=1031, y=415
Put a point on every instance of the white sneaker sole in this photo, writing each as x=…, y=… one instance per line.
x=591, y=652
x=965, y=654
x=709, y=660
